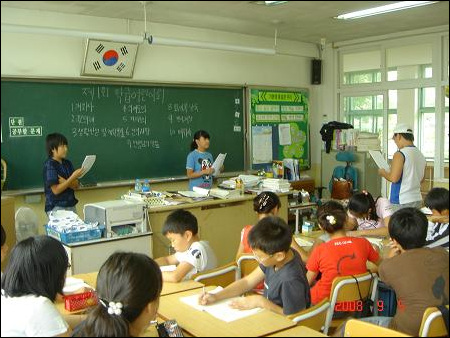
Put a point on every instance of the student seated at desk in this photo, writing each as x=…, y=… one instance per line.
x=340, y=256
x=437, y=202
x=418, y=275
x=331, y=207
x=192, y=255
x=33, y=279
x=265, y=204
x=369, y=215
x=4, y=246
x=128, y=288
x=286, y=289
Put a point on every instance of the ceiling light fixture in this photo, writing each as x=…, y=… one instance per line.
x=384, y=9
x=268, y=3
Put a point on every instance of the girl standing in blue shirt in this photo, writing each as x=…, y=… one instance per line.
x=199, y=162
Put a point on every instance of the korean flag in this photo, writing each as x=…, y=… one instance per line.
x=106, y=58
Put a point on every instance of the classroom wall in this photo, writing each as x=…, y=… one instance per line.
x=48, y=56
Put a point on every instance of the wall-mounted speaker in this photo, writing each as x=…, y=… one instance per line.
x=316, y=72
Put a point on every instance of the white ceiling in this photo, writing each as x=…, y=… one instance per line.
x=305, y=21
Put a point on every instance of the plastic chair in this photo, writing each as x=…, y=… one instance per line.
x=345, y=289
x=26, y=223
x=359, y=328
x=246, y=264
x=314, y=317
x=432, y=323
x=221, y=276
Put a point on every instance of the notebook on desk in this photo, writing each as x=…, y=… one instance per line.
x=303, y=242
x=221, y=310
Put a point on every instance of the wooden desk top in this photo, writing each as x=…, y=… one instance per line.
x=171, y=288
x=200, y=323
x=298, y=331
x=168, y=288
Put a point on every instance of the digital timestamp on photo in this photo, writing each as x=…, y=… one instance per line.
x=357, y=306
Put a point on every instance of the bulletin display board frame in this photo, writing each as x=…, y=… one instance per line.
x=278, y=126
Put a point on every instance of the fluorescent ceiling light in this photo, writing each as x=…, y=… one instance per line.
x=273, y=3
x=384, y=9
x=268, y=3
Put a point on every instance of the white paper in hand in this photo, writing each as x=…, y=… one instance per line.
x=218, y=163
x=379, y=160
x=88, y=162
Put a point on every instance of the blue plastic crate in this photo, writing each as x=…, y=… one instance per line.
x=78, y=236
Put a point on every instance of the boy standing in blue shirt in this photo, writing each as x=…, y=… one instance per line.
x=60, y=178
x=199, y=162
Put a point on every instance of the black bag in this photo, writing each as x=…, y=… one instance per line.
x=364, y=306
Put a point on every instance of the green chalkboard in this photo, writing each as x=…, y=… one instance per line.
x=136, y=131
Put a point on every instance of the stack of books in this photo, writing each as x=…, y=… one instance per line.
x=368, y=141
x=276, y=185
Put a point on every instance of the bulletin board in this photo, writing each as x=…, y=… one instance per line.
x=279, y=126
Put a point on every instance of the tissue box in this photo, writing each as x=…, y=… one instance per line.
x=307, y=227
x=80, y=301
x=76, y=236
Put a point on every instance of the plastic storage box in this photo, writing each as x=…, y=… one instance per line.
x=76, y=236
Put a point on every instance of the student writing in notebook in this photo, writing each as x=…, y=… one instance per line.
x=437, y=201
x=265, y=204
x=340, y=256
x=128, y=287
x=192, y=255
x=286, y=290
x=371, y=217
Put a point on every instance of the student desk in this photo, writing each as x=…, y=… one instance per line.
x=298, y=331
x=202, y=324
x=220, y=222
x=168, y=288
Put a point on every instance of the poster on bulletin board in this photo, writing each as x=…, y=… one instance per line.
x=279, y=126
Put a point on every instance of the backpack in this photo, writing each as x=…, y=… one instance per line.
x=344, y=180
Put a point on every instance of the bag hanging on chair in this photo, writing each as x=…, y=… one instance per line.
x=341, y=189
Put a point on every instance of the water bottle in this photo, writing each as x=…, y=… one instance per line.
x=138, y=186
x=146, y=186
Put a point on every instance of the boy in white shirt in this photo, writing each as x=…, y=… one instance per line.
x=192, y=255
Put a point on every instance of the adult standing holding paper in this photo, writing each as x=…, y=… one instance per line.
x=199, y=162
x=407, y=170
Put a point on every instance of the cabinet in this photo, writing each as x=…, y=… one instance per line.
x=89, y=256
x=8, y=224
x=368, y=178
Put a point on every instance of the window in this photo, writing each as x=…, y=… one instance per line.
x=365, y=112
x=427, y=120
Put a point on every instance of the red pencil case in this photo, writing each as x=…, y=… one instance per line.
x=80, y=301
